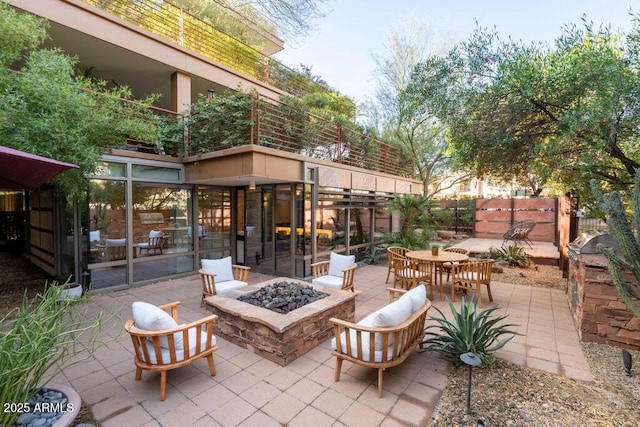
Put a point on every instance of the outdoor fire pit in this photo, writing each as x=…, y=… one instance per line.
x=279, y=337
x=283, y=296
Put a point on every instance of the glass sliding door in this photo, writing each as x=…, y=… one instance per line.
x=107, y=233
x=258, y=239
x=213, y=231
x=259, y=230
x=271, y=235
x=287, y=234
x=161, y=218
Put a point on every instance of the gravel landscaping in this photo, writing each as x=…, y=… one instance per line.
x=510, y=395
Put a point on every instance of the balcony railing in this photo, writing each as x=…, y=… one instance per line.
x=173, y=23
x=272, y=124
x=240, y=119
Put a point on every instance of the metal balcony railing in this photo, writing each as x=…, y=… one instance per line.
x=175, y=24
x=244, y=119
x=272, y=124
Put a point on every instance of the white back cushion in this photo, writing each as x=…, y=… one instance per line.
x=94, y=235
x=116, y=242
x=338, y=262
x=151, y=318
x=220, y=267
x=418, y=296
x=393, y=314
x=155, y=233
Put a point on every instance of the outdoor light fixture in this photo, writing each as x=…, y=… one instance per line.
x=628, y=363
x=252, y=185
x=471, y=360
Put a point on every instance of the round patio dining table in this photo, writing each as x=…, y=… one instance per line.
x=437, y=261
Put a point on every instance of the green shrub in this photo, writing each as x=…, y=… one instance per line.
x=468, y=331
x=410, y=240
x=373, y=255
x=40, y=340
x=514, y=255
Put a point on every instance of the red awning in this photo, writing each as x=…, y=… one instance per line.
x=20, y=170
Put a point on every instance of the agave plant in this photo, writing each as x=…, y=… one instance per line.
x=514, y=255
x=468, y=331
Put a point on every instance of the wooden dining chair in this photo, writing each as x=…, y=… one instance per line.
x=408, y=273
x=394, y=251
x=446, y=266
x=470, y=277
x=155, y=242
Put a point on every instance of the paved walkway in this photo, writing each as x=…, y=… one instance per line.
x=540, y=251
x=251, y=391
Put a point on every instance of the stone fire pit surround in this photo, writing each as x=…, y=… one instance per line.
x=283, y=296
x=280, y=338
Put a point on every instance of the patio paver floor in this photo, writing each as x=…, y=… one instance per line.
x=251, y=391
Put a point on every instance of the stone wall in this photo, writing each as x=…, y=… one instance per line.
x=281, y=338
x=599, y=313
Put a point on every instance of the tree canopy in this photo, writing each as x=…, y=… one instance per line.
x=420, y=135
x=539, y=115
x=293, y=18
x=49, y=109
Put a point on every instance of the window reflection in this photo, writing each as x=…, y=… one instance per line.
x=160, y=220
x=214, y=219
x=107, y=221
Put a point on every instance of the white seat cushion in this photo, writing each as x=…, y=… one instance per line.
x=338, y=262
x=469, y=276
x=151, y=318
x=328, y=281
x=390, y=315
x=408, y=273
x=220, y=267
x=229, y=285
x=166, y=355
x=353, y=351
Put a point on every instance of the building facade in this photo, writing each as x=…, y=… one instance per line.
x=274, y=199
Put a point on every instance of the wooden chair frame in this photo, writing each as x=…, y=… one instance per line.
x=115, y=253
x=408, y=273
x=321, y=268
x=406, y=337
x=240, y=273
x=471, y=276
x=394, y=251
x=140, y=337
x=447, y=265
x=153, y=243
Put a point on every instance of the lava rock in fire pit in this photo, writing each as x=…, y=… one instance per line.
x=283, y=297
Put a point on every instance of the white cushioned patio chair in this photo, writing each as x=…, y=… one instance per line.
x=161, y=344
x=337, y=273
x=220, y=276
x=154, y=242
x=470, y=277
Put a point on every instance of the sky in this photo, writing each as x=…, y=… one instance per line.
x=341, y=48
